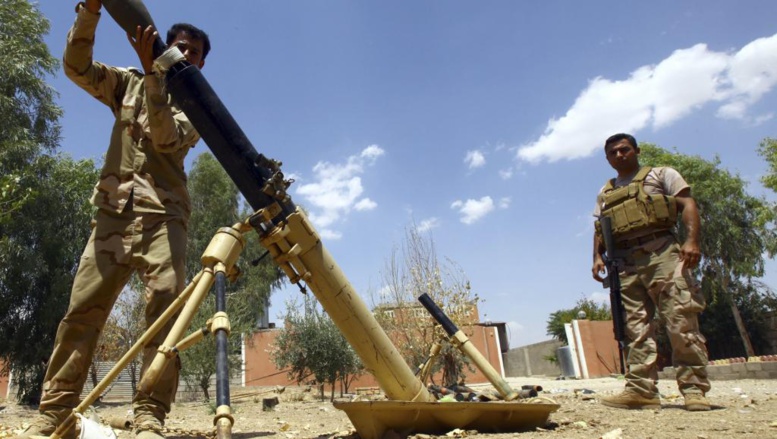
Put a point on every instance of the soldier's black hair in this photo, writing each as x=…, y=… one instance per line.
x=193, y=31
x=615, y=138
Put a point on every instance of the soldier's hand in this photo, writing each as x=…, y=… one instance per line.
x=598, y=269
x=143, y=43
x=93, y=6
x=690, y=254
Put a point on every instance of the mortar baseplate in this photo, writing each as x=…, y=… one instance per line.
x=373, y=419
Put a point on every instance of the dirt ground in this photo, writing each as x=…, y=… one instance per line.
x=742, y=408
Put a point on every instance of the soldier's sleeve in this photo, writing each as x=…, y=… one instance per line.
x=169, y=131
x=672, y=181
x=598, y=205
x=103, y=82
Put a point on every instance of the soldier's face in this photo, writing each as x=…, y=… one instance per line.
x=623, y=157
x=191, y=48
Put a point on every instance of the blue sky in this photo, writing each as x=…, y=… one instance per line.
x=483, y=123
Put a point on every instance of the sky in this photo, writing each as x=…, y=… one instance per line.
x=482, y=124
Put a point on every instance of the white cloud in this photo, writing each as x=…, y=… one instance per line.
x=658, y=95
x=474, y=159
x=751, y=75
x=337, y=189
x=473, y=210
x=428, y=224
x=762, y=118
x=504, y=202
x=506, y=174
x=330, y=235
x=365, y=204
x=372, y=152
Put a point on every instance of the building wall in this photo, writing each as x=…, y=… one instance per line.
x=599, y=347
x=594, y=344
x=484, y=338
x=261, y=371
x=530, y=360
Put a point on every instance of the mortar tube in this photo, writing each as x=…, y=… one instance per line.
x=461, y=341
x=298, y=250
x=318, y=269
x=192, y=93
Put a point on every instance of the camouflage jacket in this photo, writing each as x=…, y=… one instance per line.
x=150, y=136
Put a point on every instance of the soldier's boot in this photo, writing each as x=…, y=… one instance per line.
x=149, y=430
x=150, y=413
x=631, y=399
x=696, y=402
x=147, y=424
x=44, y=425
x=151, y=409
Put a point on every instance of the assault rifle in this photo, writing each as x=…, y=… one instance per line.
x=614, y=282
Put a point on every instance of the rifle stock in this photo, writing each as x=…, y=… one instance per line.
x=613, y=277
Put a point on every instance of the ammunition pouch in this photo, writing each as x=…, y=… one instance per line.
x=633, y=210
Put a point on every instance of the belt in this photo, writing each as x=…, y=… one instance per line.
x=635, y=242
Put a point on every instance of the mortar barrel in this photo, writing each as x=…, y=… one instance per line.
x=298, y=248
x=461, y=341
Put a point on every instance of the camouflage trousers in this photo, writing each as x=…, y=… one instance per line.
x=154, y=246
x=657, y=281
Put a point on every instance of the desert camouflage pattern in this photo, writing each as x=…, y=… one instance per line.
x=150, y=137
x=154, y=245
x=140, y=225
x=654, y=280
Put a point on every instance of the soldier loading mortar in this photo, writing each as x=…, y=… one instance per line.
x=283, y=229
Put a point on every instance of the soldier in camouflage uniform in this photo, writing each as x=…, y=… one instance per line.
x=140, y=225
x=644, y=204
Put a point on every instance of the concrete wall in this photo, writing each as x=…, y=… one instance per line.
x=737, y=371
x=530, y=360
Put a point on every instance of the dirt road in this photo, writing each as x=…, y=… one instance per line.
x=742, y=408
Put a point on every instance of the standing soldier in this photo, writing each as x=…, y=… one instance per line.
x=655, y=274
x=140, y=225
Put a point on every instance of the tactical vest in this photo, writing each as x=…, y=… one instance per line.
x=632, y=209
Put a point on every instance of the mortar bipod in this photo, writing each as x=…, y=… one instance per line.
x=424, y=370
x=218, y=263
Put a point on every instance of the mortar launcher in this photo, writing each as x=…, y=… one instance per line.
x=294, y=244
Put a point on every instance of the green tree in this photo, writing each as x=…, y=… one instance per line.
x=28, y=114
x=737, y=231
x=768, y=150
x=124, y=327
x=41, y=254
x=412, y=270
x=310, y=344
x=215, y=204
x=592, y=310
